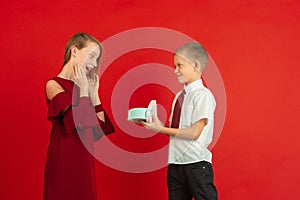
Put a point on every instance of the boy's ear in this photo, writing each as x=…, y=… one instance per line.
x=198, y=65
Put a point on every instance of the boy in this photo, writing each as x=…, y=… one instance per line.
x=190, y=172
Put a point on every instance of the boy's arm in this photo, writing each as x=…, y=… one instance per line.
x=192, y=133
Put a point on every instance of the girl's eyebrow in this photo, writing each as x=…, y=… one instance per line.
x=93, y=52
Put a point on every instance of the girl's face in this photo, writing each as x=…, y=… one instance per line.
x=87, y=57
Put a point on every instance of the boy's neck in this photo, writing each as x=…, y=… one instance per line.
x=187, y=83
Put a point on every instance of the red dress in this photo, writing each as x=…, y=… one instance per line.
x=70, y=172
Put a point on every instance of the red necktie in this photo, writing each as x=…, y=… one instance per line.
x=177, y=110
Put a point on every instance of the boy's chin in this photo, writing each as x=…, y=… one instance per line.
x=181, y=80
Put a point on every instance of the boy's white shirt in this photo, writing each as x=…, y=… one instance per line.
x=198, y=103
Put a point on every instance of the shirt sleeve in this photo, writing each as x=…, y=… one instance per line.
x=204, y=107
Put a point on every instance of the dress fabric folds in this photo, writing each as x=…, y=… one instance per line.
x=70, y=171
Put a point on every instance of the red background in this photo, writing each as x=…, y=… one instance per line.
x=255, y=45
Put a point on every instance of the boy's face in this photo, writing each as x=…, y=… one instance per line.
x=184, y=70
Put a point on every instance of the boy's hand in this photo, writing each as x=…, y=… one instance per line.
x=138, y=121
x=155, y=125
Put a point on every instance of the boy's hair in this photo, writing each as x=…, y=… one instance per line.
x=194, y=51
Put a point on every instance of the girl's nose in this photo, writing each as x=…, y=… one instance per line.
x=94, y=63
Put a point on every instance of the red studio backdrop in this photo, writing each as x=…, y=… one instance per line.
x=255, y=45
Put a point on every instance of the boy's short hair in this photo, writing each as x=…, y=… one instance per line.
x=194, y=51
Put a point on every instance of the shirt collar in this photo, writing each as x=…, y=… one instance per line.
x=193, y=86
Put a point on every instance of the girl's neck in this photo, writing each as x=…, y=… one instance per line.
x=67, y=72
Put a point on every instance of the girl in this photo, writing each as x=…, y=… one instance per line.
x=78, y=119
